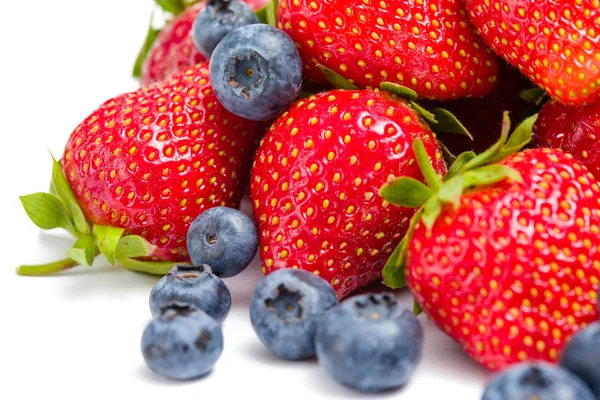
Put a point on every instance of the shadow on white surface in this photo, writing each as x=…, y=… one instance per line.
x=256, y=351
x=147, y=375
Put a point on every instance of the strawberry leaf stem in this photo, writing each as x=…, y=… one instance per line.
x=47, y=269
x=268, y=14
x=431, y=177
x=151, y=36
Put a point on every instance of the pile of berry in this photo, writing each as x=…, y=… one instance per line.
x=355, y=180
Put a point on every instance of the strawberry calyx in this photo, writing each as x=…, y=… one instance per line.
x=268, y=14
x=468, y=172
x=439, y=120
x=59, y=209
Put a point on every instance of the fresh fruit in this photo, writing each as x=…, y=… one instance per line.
x=369, y=343
x=195, y=285
x=256, y=72
x=429, y=47
x=573, y=129
x=536, y=381
x=554, y=43
x=216, y=20
x=182, y=343
x=315, y=182
x=581, y=356
x=285, y=309
x=224, y=238
x=502, y=256
x=482, y=117
x=147, y=162
x=173, y=50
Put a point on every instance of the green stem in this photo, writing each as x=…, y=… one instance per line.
x=47, y=269
x=148, y=267
x=433, y=179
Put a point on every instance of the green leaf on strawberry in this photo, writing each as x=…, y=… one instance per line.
x=108, y=238
x=154, y=268
x=151, y=36
x=268, y=14
x=399, y=90
x=335, y=79
x=47, y=211
x=133, y=246
x=61, y=187
x=83, y=251
x=469, y=170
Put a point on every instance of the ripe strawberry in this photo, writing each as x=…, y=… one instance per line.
x=315, y=181
x=505, y=258
x=573, y=129
x=150, y=161
x=174, y=49
x=553, y=42
x=429, y=47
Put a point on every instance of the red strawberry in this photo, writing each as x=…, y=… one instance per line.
x=429, y=47
x=150, y=161
x=315, y=182
x=508, y=262
x=573, y=129
x=553, y=42
x=482, y=116
x=174, y=49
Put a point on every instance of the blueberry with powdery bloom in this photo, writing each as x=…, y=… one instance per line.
x=182, y=343
x=224, y=238
x=216, y=20
x=192, y=284
x=285, y=309
x=256, y=72
x=581, y=356
x=370, y=343
x=536, y=381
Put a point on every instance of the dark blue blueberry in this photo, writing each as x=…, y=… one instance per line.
x=369, y=343
x=193, y=284
x=256, y=72
x=285, y=309
x=217, y=19
x=182, y=343
x=581, y=356
x=224, y=238
x=536, y=381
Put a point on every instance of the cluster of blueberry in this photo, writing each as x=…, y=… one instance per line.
x=368, y=342
x=577, y=377
x=255, y=69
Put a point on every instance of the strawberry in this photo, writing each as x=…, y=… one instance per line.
x=429, y=47
x=573, y=129
x=504, y=257
x=315, y=180
x=148, y=162
x=174, y=49
x=555, y=43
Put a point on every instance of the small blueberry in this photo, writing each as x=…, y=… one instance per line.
x=224, y=238
x=182, y=343
x=581, y=356
x=285, y=309
x=369, y=343
x=256, y=72
x=192, y=284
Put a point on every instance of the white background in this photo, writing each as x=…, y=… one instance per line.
x=76, y=336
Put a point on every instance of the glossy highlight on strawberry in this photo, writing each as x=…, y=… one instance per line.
x=150, y=161
x=429, y=47
x=316, y=179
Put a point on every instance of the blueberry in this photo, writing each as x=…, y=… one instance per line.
x=536, y=381
x=193, y=284
x=217, y=19
x=369, y=343
x=581, y=356
x=256, y=72
x=182, y=343
x=224, y=238
x=285, y=309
